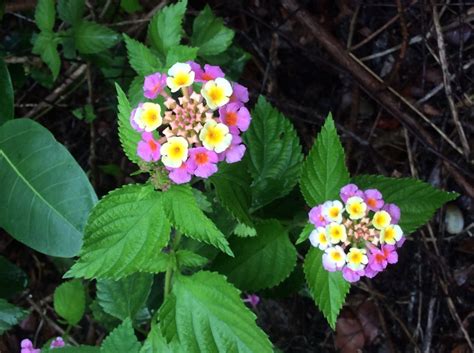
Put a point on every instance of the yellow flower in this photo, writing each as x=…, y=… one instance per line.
x=336, y=232
x=334, y=257
x=381, y=219
x=179, y=75
x=356, y=207
x=215, y=136
x=174, y=152
x=356, y=259
x=391, y=234
x=148, y=117
x=217, y=92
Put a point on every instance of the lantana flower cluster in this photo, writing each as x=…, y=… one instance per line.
x=26, y=345
x=200, y=124
x=359, y=234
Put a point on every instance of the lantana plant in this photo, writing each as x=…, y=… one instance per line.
x=201, y=125
x=213, y=226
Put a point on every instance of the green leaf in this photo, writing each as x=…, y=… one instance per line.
x=260, y=262
x=418, y=201
x=46, y=46
x=121, y=340
x=180, y=53
x=207, y=315
x=123, y=231
x=329, y=289
x=45, y=196
x=274, y=154
x=10, y=315
x=7, y=108
x=141, y=58
x=324, y=171
x=70, y=301
x=71, y=11
x=155, y=342
x=125, y=297
x=91, y=37
x=165, y=29
x=186, y=258
x=186, y=216
x=209, y=33
x=129, y=138
x=304, y=235
x=45, y=15
x=232, y=184
x=12, y=279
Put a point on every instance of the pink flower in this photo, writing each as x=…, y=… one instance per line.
x=401, y=242
x=27, y=347
x=351, y=275
x=373, y=199
x=349, y=191
x=253, y=300
x=210, y=72
x=154, y=85
x=203, y=161
x=235, y=152
x=370, y=272
x=316, y=216
x=240, y=94
x=235, y=117
x=58, y=342
x=394, y=212
x=132, y=120
x=149, y=149
x=182, y=174
x=380, y=258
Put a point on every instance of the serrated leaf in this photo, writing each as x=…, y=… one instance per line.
x=125, y=297
x=155, y=342
x=141, y=58
x=186, y=216
x=304, y=235
x=70, y=301
x=91, y=37
x=135, y=93
x=232, y=184
x=45, y=14
x=121, y=340
x=244, y=231
x=158, y=262
x=45, y=196
x=186, y=258
x=209, y=33
x=418, y=201
x=10, y=315
x=12, y=279
x=71, y=11
x=46, y=46
x=324, y=170
x=129, y=138
x=207, y=315
x=329, y=289
x=165, y=29
x=123, y=231
x=180, y=53
x=260, y=262
x=7, y=107
x=274, y=154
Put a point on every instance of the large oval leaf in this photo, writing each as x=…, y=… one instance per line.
x=45, y=196
x=6, y=98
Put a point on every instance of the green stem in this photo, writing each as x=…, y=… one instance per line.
x=171, y=267
x=168, y=275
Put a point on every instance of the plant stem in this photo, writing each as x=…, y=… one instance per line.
x=171, y=266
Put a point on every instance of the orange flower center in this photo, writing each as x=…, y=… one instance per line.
x=201, y=158
x=372, y=202
x=231, y=118
x=379, y=258
x=153, y=146
x=207, y=77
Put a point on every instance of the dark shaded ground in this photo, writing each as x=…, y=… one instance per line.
x=423, y=304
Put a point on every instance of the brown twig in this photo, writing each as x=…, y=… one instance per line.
x=372, y=84
x=447, y=83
